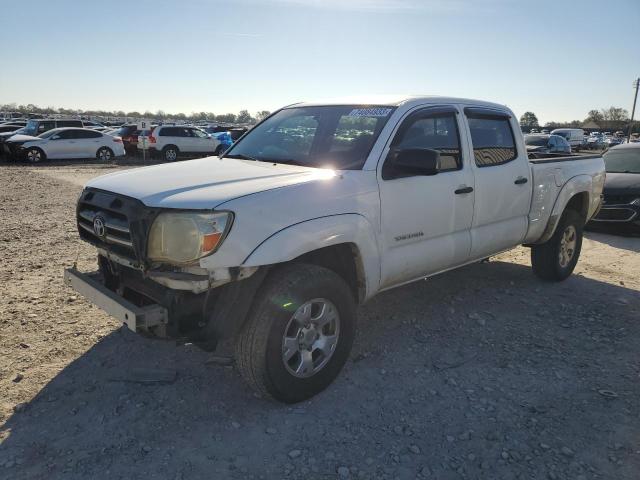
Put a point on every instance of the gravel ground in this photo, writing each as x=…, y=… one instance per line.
x=484, y=372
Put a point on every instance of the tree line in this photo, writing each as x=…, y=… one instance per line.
x=612, y=118
x=243, y=116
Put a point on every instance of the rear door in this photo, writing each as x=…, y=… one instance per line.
x=88, y=143
x=426, y=219
x=502, y=182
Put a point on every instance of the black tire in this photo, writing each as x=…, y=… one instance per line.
x=104, y=154
x=170, y=153
x=260, y=344
x=35, y=155
x=548, y=261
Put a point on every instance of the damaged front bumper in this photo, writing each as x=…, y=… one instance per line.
x=135, y=317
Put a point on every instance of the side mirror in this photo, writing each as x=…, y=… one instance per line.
x=415, y=161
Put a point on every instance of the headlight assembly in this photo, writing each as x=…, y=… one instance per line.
x=182, y=238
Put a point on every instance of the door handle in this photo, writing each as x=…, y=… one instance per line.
x=462, y=190
x=521, y=180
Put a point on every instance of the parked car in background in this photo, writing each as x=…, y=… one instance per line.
x=10, y=127
x=545, y=131
x=612, y=141
x=621, y=203
x=169, y=142
x=595, y=141
x=539, y=143
x=575, y=136
x=65, y=143
x=35, y=127
x=93, y=125
x=129, y=134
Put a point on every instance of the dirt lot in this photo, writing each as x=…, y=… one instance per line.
x=480, y=373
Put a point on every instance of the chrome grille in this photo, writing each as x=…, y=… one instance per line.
x=116, y=230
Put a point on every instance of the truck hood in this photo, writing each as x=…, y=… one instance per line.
x=622, y=183
x=203, y=183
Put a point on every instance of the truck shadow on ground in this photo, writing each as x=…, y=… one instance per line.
x=466, y=366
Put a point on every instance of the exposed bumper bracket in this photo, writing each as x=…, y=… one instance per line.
x=136, y=318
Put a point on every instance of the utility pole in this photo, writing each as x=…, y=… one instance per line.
x=633, y=110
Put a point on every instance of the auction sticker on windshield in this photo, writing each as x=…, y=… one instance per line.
x=369, y=112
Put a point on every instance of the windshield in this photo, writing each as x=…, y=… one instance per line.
x=536, y=141
x=338, y=137
x=622, y=160
x=31, y=128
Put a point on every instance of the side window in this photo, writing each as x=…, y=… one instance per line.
x=435, y=132
x=45, y=126
x=67, y=135
x=169, y=132
x=199, y=133
x=87, y=134
x=493, y=141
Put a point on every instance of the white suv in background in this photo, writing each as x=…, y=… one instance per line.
x=170, y=141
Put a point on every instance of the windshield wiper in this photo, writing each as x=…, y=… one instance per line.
x=242, y=156
x=286, y=161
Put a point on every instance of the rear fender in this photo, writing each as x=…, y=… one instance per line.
x=577, y=185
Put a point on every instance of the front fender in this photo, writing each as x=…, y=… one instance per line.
x=310, y=235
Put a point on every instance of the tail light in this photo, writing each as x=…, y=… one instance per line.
x=152, y=139
x=117, y=139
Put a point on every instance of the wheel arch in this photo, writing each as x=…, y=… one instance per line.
x=343, y=243
x=576, y=194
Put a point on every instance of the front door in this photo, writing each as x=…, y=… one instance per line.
x=426, y=219
x=503, y=183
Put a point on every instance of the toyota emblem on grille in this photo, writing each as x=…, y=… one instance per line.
x=99, y=226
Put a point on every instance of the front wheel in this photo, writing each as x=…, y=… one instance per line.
x=298, y=334
x=556, y=259
x=35, y=155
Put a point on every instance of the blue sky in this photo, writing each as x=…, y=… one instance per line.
x=558, y=58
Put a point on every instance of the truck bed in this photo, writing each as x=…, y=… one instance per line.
x=553, y=157
x=551, y=173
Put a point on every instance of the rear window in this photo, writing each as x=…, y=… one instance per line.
x=493, y=141
x=69, y=123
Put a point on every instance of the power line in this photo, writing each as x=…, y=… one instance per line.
x=633, y=110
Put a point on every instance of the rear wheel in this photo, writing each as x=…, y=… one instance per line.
x=299, y=333
x=35, y=155
x=556, y=259
x=170, y=153
x=104, y=154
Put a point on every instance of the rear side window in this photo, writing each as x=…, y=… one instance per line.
x=175, y=132
x=493, y=140
x=87, y=134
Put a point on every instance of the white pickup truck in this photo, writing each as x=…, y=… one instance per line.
x=314, y=211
